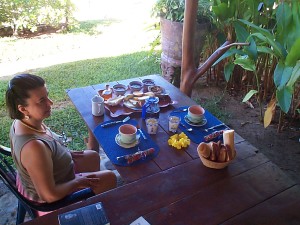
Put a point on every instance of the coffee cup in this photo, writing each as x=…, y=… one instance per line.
x=196, y=113
x=127, y=133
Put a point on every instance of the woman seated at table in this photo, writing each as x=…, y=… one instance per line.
x=47, y=170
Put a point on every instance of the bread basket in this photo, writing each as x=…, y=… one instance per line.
x=215, y=165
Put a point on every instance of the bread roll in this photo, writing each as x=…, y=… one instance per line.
x=230, y=153
x=228, y=138
x=137, y=93
x=222, y=154
x=214, y=151
x=143, y=98
x=128, y=96
x=203, y=150
x=151, y=94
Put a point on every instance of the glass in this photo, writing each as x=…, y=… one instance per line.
x=152, y=125
x=173, y=123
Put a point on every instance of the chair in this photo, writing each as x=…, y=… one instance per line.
x=8, y=176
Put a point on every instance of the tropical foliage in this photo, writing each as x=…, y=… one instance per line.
x=272, y=61
x=25, y=14
x=174, y=10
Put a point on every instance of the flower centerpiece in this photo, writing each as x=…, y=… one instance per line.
x=179, y=141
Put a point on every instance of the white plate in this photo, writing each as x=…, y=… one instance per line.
x=202, y=123
x=123, y=145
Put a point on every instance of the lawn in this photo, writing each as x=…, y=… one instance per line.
x=79, y=74
x=111, y=46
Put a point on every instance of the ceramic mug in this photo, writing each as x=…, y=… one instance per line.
x=127, y=133
x=97, y=105
x=196, y=113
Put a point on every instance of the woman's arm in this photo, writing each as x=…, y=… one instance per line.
x=36, y=158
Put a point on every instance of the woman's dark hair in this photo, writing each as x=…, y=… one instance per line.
x=18, y=91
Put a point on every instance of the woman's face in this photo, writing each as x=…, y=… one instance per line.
x=38, y=104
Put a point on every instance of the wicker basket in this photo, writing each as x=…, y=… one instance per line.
x=215, y=165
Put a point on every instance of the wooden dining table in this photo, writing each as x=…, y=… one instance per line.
x=176, y=188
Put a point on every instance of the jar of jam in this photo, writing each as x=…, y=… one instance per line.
x=151, y=108
x=107, y=92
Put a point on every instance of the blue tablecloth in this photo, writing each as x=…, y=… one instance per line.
x=106, y=138
x=198, y=133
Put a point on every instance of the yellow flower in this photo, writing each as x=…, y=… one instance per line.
x=179, y=141
x=182, y=135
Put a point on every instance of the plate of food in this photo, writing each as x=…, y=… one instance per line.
x=135, y=102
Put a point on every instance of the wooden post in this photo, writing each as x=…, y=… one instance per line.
x=188, y=68
x=189, y=73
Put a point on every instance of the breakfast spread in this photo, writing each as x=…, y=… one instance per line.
x=136, y=98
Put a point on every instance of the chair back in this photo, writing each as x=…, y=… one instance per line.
x=8, y=175
x=7, y=172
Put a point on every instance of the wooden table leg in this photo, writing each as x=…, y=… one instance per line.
x=92, y=142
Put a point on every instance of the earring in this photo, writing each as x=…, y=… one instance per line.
x=26, y=117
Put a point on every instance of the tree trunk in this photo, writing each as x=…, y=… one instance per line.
x=189, y=72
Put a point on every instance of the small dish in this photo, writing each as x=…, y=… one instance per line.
x=158, y=91
x=135, y=86
x=147, y=83
x=202, y=123
x=123, y=145
x=119, y=89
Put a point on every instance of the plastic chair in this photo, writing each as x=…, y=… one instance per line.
x=8, y=175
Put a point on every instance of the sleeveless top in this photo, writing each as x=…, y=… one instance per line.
x=63, y=165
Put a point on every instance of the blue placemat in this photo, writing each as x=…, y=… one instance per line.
x=106, y=138
x=198, y=133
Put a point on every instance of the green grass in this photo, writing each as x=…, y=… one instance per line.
x=91, y=27
x=79, y=74
x=67, y=120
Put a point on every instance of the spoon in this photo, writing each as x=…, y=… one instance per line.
x=188, y=129
x=141, y=132
x=180, y=110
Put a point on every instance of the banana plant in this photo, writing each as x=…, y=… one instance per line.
x=277, y=38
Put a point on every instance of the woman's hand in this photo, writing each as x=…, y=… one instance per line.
x=77, y=154
x=85, y=181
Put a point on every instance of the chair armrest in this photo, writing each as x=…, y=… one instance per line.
x=5, y=150
x=68, y=200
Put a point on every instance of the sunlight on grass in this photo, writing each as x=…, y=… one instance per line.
x=111, y=42
x=92, y=27
x=104, y=30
